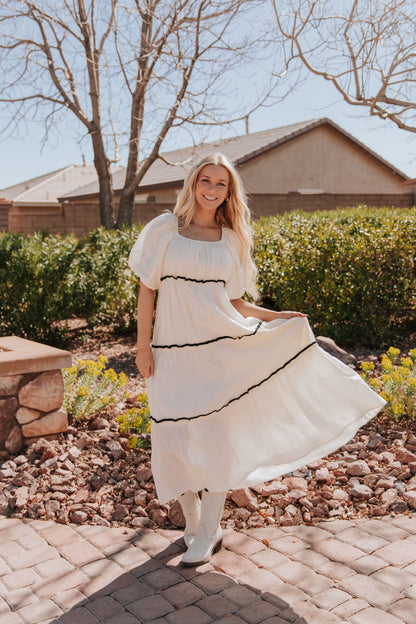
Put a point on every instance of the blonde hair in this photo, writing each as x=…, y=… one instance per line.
x=233, y=212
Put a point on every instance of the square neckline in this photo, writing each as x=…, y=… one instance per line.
x=198, y=240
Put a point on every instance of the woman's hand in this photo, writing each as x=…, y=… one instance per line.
x=289, y=315
x=144, y=361
x=250, y=309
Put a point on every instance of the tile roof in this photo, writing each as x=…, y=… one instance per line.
x=81, y=181
x=45, y=189
x=237, y=149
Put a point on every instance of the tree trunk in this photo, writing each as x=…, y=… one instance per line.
x=126, y=208
x=105, y=181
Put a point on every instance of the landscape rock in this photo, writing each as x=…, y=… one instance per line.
x=74, y=453
x=358, y=468
x=8, y=409
x=115, y=449
x=25, y=415
x=176, y=516
x=143, y=473
x=21, y=497
x=275, y=487
x=54, y=422
x=244, y=498
x=100, y=423
x=44, y=393
x=295, y=483
x=333, y=349
x=359, y=490
x=14, y=441
x=404, y=456
x=410, y=498
x=9, y=384
x=79, y=517
x=389, y=497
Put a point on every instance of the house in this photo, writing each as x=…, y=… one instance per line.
x=33, y=205
x=312, y=165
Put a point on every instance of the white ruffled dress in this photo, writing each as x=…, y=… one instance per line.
x=234, y=401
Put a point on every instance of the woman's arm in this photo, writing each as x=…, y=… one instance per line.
x=249, y=309
x=145, y=306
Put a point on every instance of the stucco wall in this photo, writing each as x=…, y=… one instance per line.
x=320, y=159
x=164, y=196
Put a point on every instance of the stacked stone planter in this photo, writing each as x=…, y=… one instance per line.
x=31, y=392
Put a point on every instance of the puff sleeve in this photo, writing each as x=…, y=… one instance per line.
x=148, y=252
x=239, y=279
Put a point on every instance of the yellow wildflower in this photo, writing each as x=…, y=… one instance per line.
x=404, y=372
x=398, y=409
x=374, y=383
x=407, y=362
x=123, y=379
x=386, y=363
x=392, y=353
x=82, y=391
x=367, y=366
x=397, y=377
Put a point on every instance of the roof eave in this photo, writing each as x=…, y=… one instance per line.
x=311, y=126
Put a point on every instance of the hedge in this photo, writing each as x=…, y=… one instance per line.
x=46, y=279
x=352, y=271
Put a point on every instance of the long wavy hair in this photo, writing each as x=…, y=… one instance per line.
x=233, y=213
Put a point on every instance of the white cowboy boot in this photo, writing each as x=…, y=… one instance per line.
x=208, y=539
x=191, y=507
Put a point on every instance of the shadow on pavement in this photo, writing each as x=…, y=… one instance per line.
x=155, y=588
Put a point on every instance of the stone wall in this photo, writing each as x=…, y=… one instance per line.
x=31, y=392
x=30, y=407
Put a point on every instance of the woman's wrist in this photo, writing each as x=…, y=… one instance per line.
x=143, y=346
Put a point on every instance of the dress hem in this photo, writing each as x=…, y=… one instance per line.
x=267, y=473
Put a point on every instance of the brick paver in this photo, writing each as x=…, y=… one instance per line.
x=339, y=572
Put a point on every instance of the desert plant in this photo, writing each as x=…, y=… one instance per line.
x=137, y=423
x=396, y=384
x=90, y=387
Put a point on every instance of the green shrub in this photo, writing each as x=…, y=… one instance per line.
x=103, y=288
x=34, y=284
x=351, y=271
x=45, y=279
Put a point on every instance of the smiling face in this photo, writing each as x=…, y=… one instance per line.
x=212, y=187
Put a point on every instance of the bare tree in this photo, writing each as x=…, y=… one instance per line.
x=365, y=48
x=128, y=71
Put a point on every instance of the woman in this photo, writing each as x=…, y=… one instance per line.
x=238, y=394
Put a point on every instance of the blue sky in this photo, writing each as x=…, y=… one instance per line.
x=24, y=159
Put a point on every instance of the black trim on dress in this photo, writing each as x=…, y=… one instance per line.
x=241, y=395
x=205, y=342
x=191, y=279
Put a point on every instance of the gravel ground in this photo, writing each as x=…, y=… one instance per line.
x=89, y=475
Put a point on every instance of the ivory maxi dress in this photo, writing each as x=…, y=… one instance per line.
x=234, y=401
